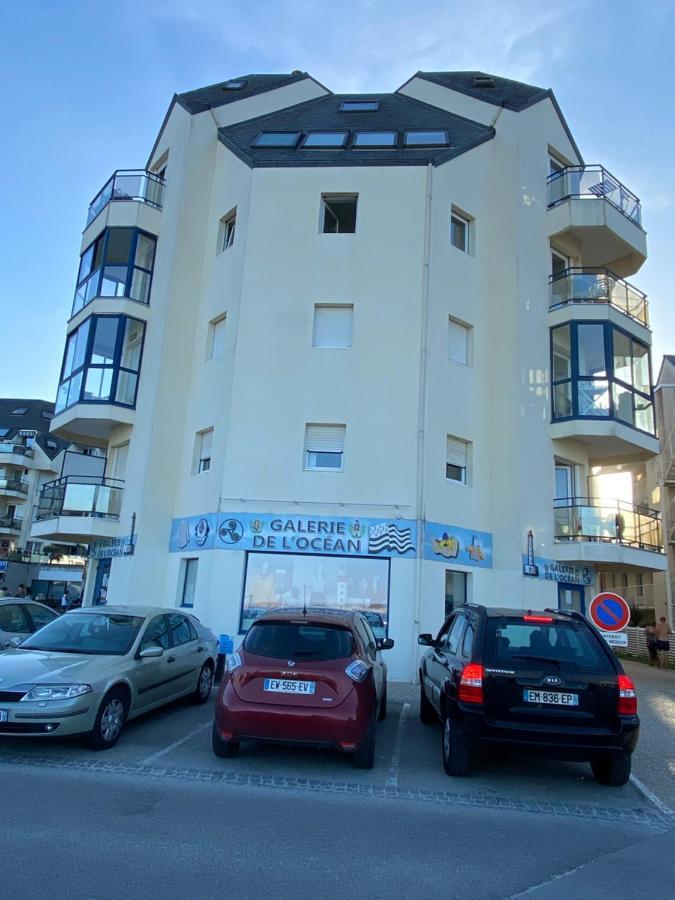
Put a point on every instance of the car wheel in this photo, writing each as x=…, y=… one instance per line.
x=382, y=715
x=456, y=754
x=427, y=712
x=612, y=770
x=364, y=758
x=110, y=719
x=203, y=690
x=223, y=749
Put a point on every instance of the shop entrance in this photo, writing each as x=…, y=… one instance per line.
x=101, y=582
x=571, y=598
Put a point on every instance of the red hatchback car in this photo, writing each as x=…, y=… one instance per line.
x=313, y=677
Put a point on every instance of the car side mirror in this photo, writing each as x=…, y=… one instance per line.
x=151, y=653
x=426, y=640
x=384, y=643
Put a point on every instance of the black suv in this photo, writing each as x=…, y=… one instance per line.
x=542, y=683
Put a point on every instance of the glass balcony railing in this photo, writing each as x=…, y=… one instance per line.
x=593, y=182
x=10, y=523
x=81, y=495
x=609, y=521
x=16, y=485
x=598, y=286
x=16, y=449
x=128, y=184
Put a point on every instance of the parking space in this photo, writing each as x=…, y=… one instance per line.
x=408, y=761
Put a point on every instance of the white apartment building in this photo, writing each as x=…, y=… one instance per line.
x=371, y=351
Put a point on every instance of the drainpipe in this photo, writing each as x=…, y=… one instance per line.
x=422, y=405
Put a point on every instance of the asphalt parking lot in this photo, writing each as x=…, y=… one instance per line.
x=175, y=742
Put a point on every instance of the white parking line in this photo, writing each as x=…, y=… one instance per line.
x=151, y=759
x=650, y=795
x=392, y=774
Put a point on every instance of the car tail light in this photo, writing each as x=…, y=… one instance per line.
x=471, y=685
x=627, y=705
x=357, y=670
x=232, y=662
x=537, y=618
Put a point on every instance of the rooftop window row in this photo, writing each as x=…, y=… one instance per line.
x=357, y=140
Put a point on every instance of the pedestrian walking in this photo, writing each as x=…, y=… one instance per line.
x=650, y=634
x=662, y=645
x=21, y=592
x=65, y=602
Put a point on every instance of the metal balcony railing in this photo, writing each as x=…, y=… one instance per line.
x=17, y=485
x=593, y=182
x=577, y=285
x=609, y=521
x=15, y=448
x=128, y=184
x=81, y=495
x=11, y=523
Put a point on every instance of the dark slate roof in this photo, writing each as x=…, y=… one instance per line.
x=396, y=113
x=513, y=95
x=31, y=419
x=218, y=95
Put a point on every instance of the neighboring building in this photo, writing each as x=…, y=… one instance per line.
x=30, y=457
x=359, y=350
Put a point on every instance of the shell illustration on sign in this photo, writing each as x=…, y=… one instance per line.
x=202, y=531
x=183, y=534
x=447, y=546
x=474, y=550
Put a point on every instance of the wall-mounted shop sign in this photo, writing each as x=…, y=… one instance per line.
x=293, y=534
x=552, y=570
x=59, y=573
x=447, y=543
x=123, y=546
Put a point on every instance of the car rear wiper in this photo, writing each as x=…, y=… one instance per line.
x=545, y=659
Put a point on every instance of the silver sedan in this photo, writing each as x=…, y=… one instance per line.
x=92, y=669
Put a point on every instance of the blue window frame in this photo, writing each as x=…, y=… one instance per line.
x=102, y=362
x=118, y=263
x=601, y=371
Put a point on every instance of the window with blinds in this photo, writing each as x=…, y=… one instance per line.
x=459, y=342
x=333, y=325
x=204, y=446
x=324, y=447
x=457, y=459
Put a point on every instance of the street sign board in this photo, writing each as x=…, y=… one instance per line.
x=609, y=612
x=615, y=638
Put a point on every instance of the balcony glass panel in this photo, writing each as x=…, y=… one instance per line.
x=126, y=388
x=611, y=521
x=597, y=286
x=98, y=384
x=593, y=397
x=593, y=182
x=128, y=184
x=81, y=495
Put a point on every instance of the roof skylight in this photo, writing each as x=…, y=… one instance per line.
x=277, y=139
x=19, y=411
x=426, y=138
x=234, y=85
x=359, y=106
x=319, y=139
x=366, y=139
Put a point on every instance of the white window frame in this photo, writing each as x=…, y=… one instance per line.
x=561, y=256
x=333, y=306
x=308, y=454
x=200, y=457
x=220, y=320
x=466, y=469
x=453, y=320
x=227, y=230
x=185, y=569
x=325, y=200
x=468, y=223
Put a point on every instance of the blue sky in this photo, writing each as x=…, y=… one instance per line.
x=86, y=85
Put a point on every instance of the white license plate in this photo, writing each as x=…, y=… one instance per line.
x=4, y=715
x=283, y=686
x=555, y=698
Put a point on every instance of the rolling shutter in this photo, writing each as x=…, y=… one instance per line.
x=206, y=442
x=456, y=453
x=325, y=438
x=333, y=326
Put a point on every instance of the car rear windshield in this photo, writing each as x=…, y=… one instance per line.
x=102, y=634
x=297, y=640
x=521, y=644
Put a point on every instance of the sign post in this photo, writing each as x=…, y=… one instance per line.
x=610, y=614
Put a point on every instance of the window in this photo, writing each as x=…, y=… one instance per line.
x=467, y=643
x=204, y=444
x=47, y=415
x=319, y=139
x=19, y=411
x=12, y=620
x=277, y=139
x=457, y=455
x=216, y=338
x=4, y=432
x=181, y=631
x=554, y=165
x=359, y=106
x=118, y=263
x=227, y=228
x=459, y=342
x=101, y=362
x=324, y=446
x=483, y=81
x=426, y=138
x=559, y=263
x=455, y=590
x=338, y=213
x=156, y=634
x=374, y=139
x=450, y=640
x=39, y=615
x=234, y=85
x=459, y=231
x=333, y=325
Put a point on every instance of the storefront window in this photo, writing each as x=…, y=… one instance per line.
x=336, y=582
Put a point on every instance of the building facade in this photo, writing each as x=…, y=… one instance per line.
x=372, y=351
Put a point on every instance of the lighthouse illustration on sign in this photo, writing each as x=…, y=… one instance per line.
x=529, y=567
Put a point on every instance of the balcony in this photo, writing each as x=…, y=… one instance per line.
x=78, y=508
x=598, y=218
x=135, y=185
x=597, y=289
x=15, y=454
x=10, y=525
x=11, y=486
x=613, y=532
